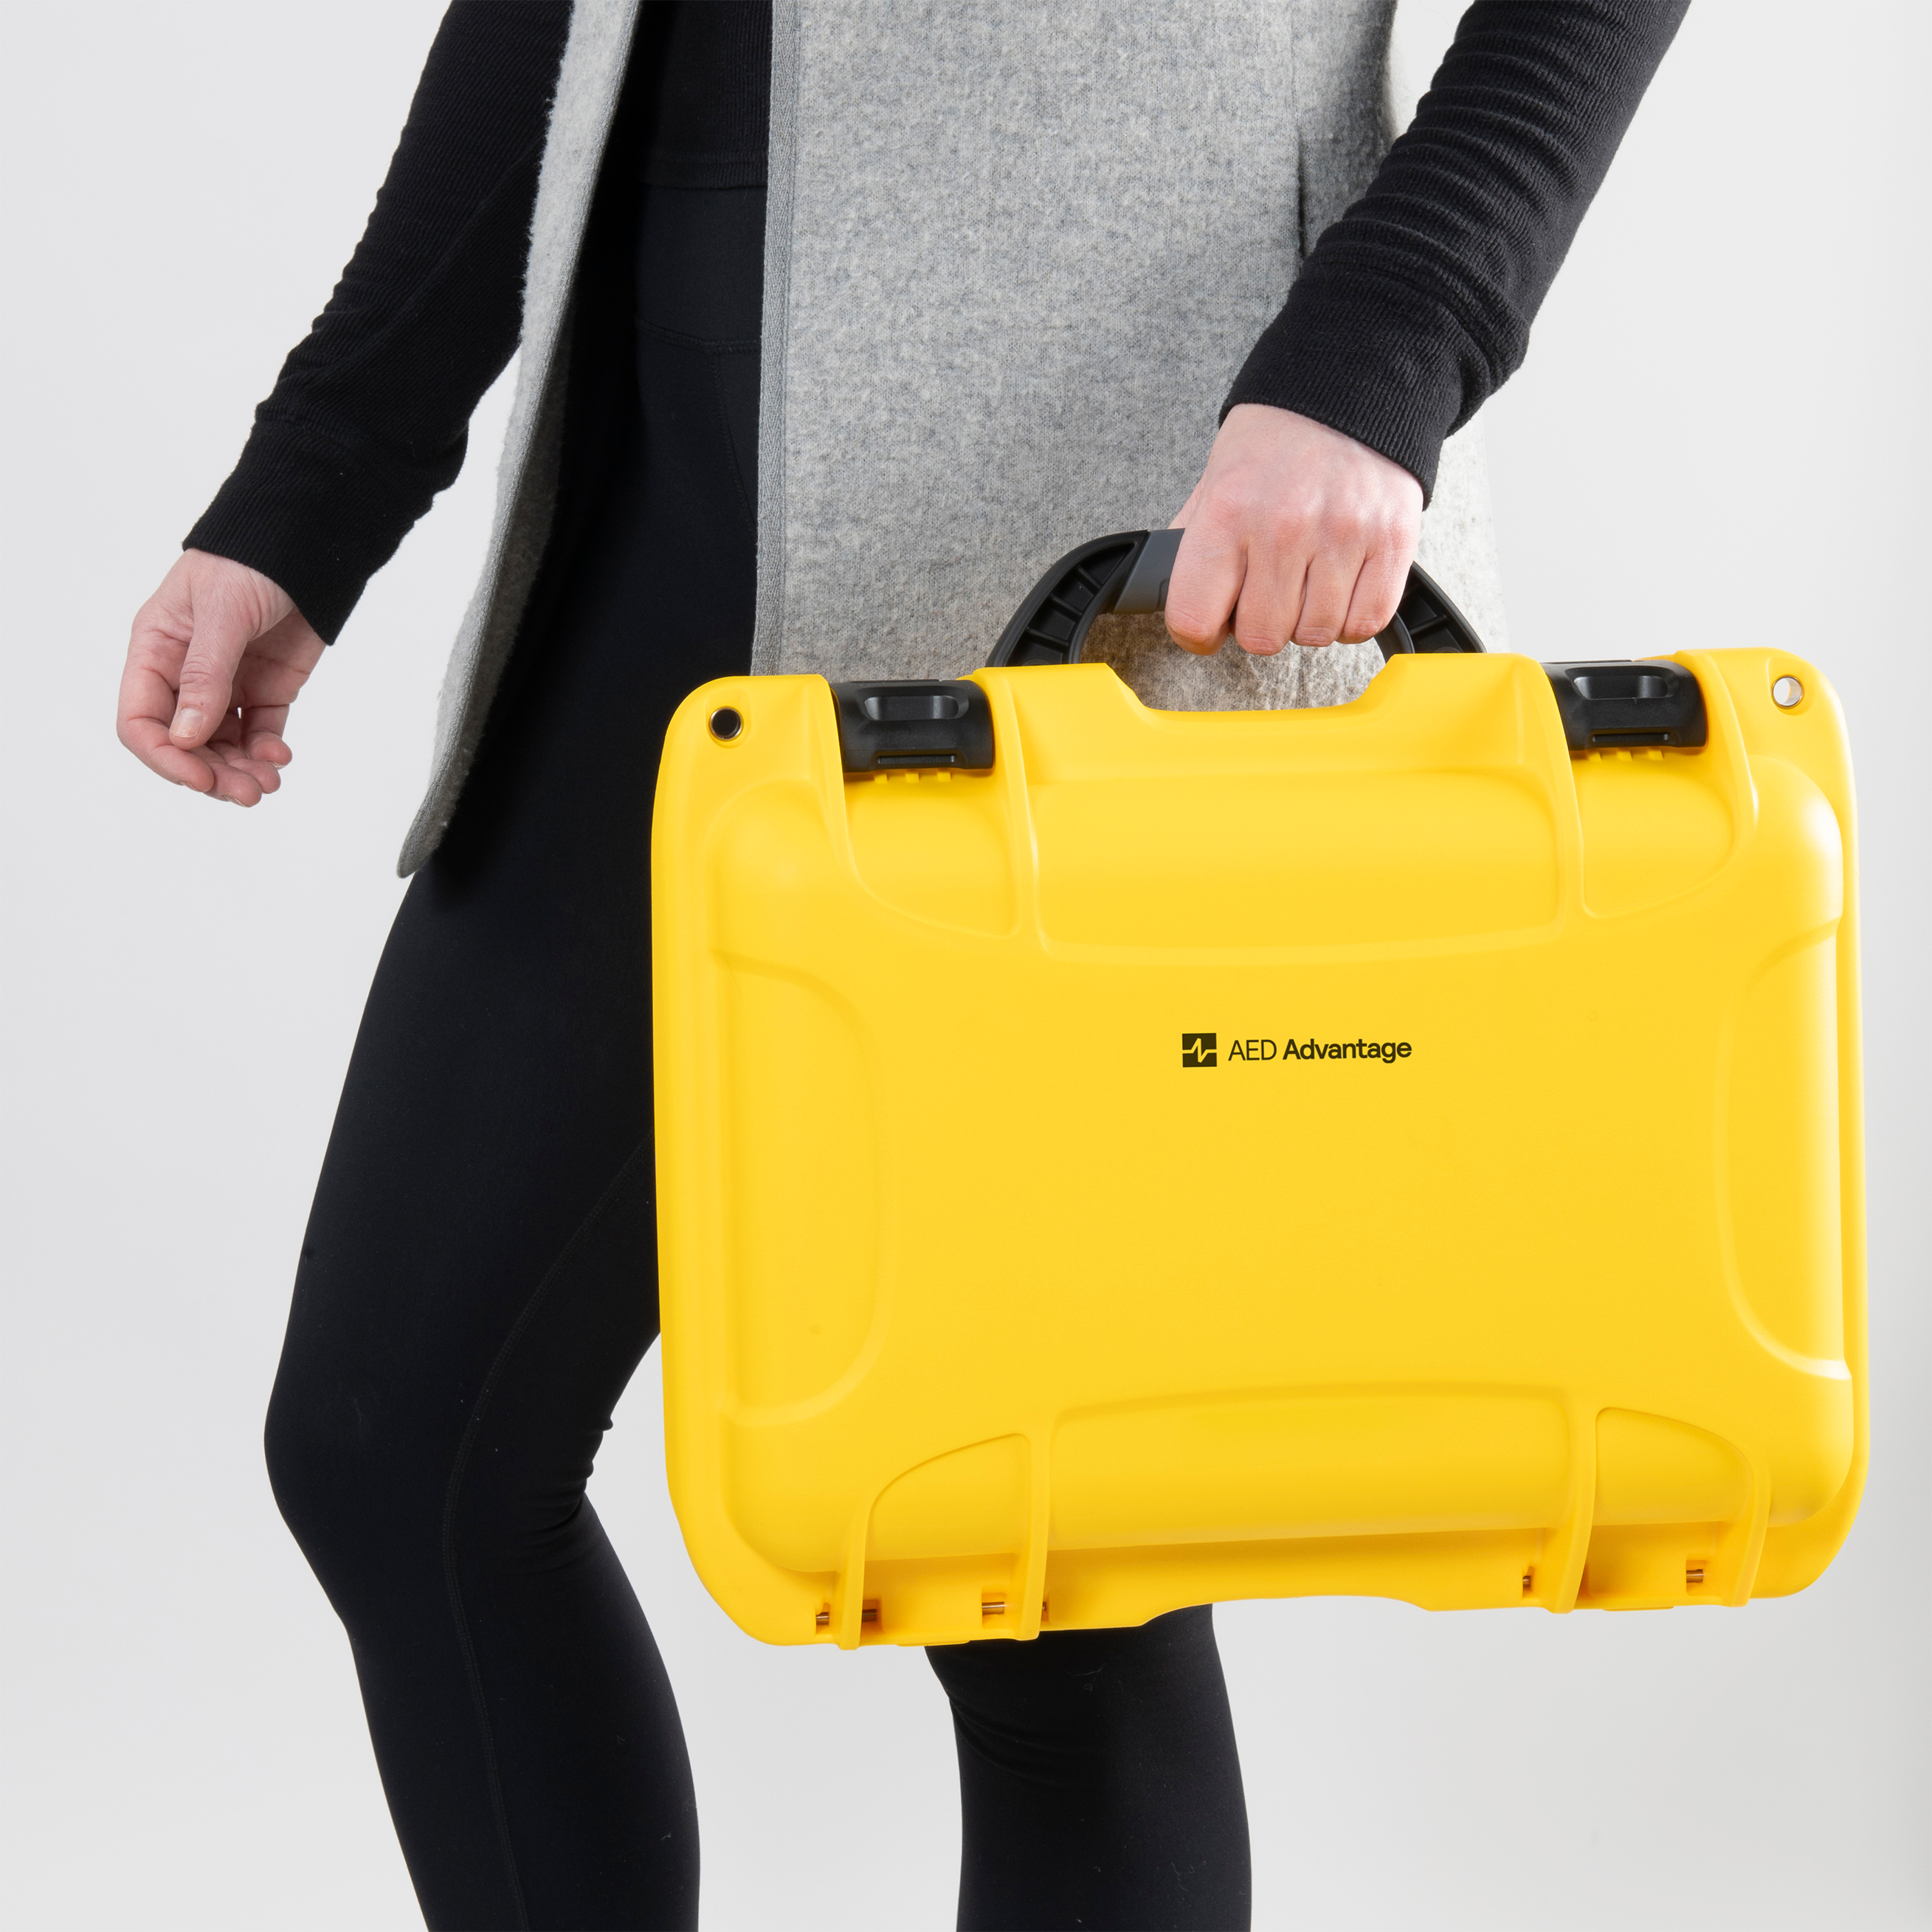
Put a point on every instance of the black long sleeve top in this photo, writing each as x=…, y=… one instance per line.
x=1411, y=310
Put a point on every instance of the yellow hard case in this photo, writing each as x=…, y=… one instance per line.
x=995, y=1298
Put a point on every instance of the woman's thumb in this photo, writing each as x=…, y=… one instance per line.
x=225, y=624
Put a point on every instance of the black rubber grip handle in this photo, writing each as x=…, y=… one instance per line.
x=1128, y=574
x=1426, y=621
x=1051, y=625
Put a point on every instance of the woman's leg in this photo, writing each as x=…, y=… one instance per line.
x=1099, y=1784
x=478, y=1281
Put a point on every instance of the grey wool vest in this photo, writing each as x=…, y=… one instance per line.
x=1014, y=255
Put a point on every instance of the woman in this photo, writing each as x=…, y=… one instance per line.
x=836, y=324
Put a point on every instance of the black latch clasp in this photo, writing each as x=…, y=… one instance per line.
x=1621, y=705
x=914, y=724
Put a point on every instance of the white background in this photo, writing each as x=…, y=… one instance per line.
x=1720, y=438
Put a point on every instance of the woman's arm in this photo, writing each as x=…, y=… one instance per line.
x=369, y=417
x=367, y=421
x=1412, y=309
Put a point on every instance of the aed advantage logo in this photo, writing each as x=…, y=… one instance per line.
x=1203, y=1049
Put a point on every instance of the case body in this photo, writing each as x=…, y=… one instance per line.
x=1363, y=1151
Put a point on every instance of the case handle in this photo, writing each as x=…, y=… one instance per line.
x=1607, y=704
x=1128, y=574
x=941, y=725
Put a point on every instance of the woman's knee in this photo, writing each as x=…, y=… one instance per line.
x=1099, y=1780
x=357, y=1475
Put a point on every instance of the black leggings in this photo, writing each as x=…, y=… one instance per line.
x=477, y=1284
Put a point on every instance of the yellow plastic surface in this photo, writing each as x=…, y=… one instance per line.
x=984, y=1309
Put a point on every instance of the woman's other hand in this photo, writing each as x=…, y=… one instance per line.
x=216, y=659
x=1295, y=532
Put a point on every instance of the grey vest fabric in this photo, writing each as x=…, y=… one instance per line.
x=1014, y=255
x=588, y=78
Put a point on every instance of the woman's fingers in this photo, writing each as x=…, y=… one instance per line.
x=261, y=734
x=240, y=776
x=227, y=755
x=266, y=748
x=242, y=780
x=1207, y=580
x=1324, y=604
x=1377, y=591
x=1271, y=596
x=222, y=770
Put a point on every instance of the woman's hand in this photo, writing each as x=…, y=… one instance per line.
x=1294, y=532
x=216, y=659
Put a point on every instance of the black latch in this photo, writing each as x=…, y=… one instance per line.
x=1624, y=704
x=914, y=724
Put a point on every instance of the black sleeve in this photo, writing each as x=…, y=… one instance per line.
x=370, y=415
x=1414, y=307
